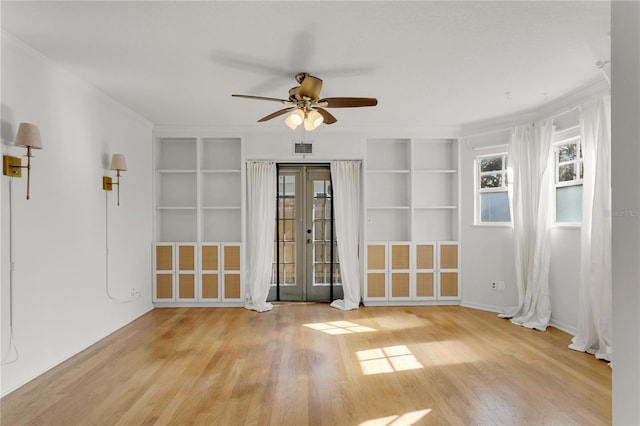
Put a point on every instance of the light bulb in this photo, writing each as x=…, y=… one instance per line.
x=289, y=122
x=313, y=120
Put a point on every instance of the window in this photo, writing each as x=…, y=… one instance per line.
x=569, y=172
x=492, y=196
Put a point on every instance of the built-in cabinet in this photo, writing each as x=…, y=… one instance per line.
x=198, y=228
x=416, y=272
x=412, y=221
x=197, y=272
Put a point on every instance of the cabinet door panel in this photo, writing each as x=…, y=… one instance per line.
x=186, y=258
x=232, y=286
x=424, y=256
x=376, y=283
x=164, y=286
x=425, y=277
x=209, y=258
x=425, y=284
x=377, y=256
x=448, y=256
x=231, y=258
x=186, y=286
x=209, y=286
x=164, y=258
x=209, y=273
x=400, y=256
x=449, y=274
x=449, y=284
x=400, y=284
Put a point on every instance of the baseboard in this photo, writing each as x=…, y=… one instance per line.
x=563, y=326
x=164, y=305
x=371, y=303
x=482, y=307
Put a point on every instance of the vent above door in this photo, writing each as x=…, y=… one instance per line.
x=302, y=148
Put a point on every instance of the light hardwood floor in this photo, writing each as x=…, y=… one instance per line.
x=310, y=364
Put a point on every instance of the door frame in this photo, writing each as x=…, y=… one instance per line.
x=304, y=275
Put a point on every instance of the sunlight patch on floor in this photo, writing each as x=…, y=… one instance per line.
x=387, y=360
x=446, y=353
x=339, y=327
x=409, y=418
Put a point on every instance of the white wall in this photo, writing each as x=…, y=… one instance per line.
x=59, y=301
x=625, y=176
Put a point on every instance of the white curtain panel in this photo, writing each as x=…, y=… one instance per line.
x=595, y=310
x=261, y=219
x=531, y=158
x=345, y=177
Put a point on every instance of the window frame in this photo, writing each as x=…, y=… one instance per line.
x=571, y=135
x=504, y=187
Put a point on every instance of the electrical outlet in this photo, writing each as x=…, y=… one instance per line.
x=493, y=285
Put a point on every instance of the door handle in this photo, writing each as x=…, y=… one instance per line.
x=308, y=240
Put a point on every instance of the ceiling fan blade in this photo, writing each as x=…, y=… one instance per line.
x=310, y=87
x=327, y=117
x=262, y=98
x=347, y=102
x=275, y=114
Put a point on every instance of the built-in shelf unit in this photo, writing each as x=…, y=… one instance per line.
x=198, y=189
x=412, y=197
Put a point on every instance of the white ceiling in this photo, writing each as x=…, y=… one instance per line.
x=428, y=63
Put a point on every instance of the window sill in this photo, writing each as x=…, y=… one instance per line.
x=567, y=225
x=494, y=225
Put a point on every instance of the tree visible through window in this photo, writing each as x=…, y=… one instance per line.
x=569, y=174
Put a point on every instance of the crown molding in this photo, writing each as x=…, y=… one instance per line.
x=564, y=104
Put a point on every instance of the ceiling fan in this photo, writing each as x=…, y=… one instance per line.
x=305, y=104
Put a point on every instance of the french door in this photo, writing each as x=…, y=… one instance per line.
x=305, y=262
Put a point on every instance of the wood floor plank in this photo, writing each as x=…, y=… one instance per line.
x=310, y=364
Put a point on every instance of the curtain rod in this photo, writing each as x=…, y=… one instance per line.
x=478, y=148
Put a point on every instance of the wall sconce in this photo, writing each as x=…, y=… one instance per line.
x=29, y=137
x=118, y=163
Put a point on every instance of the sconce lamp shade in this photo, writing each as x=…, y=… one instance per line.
x=28, y=136
x=118, y=162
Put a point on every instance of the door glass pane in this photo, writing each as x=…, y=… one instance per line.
x=322, y=235
x=285, y=236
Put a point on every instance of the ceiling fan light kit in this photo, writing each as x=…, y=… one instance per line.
x=295, y=118
x=305, y=104
x=312, y=120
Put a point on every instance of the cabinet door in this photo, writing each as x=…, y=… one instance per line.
x=376, y=285
x=163, y=276
x=425, y=266
x=231, y=272
x=186, y=271
x=400, y=270
x=448, y=270
x=209, y=272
